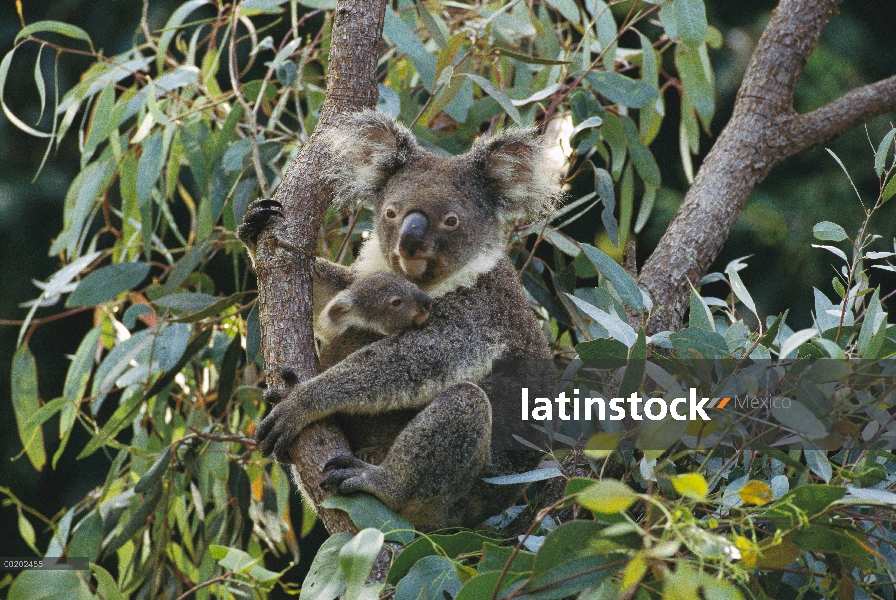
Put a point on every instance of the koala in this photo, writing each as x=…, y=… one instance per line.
x=371, y=308
x=442, y=224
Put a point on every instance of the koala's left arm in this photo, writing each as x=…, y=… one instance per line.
x=404, y=370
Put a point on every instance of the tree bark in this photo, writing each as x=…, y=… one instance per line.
x=285, y=253
x=764, y=130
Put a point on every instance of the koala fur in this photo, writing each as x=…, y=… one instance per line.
x=371, y=308
x=440, y=222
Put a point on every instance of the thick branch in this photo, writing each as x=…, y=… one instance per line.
x=762, y=132
x=284, y=255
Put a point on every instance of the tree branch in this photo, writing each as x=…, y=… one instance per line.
x=841, y=115
x=285, y=253
x=762, y=132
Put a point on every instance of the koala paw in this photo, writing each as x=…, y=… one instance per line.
x=344, y=475
x=277, y=431
x=258, y=216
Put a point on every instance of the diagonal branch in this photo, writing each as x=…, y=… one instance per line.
x=762, y=132
x=285, y=253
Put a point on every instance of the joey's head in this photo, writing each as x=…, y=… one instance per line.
x=383, y=302
x=439, y=220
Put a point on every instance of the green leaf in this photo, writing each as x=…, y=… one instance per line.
x=431, y=25
x=451, y=546
x=625, y=284
x=171, y=29
x=568, y=9
x=107, y=283
x=690, y=21
x=880, y=156
x=797, y=339
x=366, y=511
x=153, y=475
x=601, y=350
x=889, y=190
x=325, y=580
x=643, y=158
x=804, y=502
x=527, y=477
x=800, y=419
x=499, y=96
x=606, y=496
x=567, y=563
x=483, y=585
x=239, y=561
x=695, y=80
x=54, y=27
x=848, y=545
x=107, y=588
x=189, y=302
x=150, y=166
x=708, y=344
x=25, y=403
x=738, y=287
x=396, y=32
x=356, y=558
x=431, y=578
x=77, y=377
x=829, y=232
x=699, y=315
x=623, y=90
x=37, y=584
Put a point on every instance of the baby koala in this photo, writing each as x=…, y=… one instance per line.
x=371, y=308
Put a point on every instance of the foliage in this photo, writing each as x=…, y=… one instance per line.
x=179, y=133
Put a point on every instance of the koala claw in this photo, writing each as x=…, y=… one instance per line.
x=277, y=431
x=345, y=461
x=273, y=395
x=344, y=475
x=258, y=216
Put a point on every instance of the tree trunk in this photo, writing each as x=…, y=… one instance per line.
x=764, y=130
x=285, y=253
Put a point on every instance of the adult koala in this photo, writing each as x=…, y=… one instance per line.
x=441, y=222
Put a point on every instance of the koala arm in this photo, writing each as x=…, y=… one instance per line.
x=405, y=370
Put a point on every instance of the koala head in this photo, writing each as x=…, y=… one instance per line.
x=383, y=302
x=439, y=221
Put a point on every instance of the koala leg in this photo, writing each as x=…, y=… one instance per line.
x=433, y=462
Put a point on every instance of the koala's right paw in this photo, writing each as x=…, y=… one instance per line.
x=258, y=216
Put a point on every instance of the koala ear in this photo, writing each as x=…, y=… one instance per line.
x=367, y=148
x=524, y=180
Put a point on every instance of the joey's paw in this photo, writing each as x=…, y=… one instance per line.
x=277, y=431
x=258, y=216
x=344, y=475
x=273, y=395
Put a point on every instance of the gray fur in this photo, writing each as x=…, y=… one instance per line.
x=425, y=398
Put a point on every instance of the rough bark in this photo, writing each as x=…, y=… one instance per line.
x=285, y=253
x=764, y=130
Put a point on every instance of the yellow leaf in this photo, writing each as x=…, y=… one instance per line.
x=600, y=445
x=607, y=496
x=634, y=571
x=691, y=485
x=755, y=492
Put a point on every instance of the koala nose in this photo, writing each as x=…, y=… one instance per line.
x=412, y=233
x=425, y=303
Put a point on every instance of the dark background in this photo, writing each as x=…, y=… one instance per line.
x=775, y=228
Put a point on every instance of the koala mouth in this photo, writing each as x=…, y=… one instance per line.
x=420, y=270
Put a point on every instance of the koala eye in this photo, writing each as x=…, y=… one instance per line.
x=390, y=213
x=396, y=302
x=450, y=221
